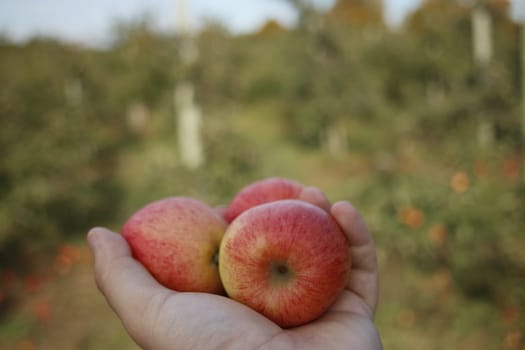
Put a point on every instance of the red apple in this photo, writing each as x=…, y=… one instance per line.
x=263, y=191
x=177, y=240
x=287, y=259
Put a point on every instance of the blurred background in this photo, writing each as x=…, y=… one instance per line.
x=412, y=110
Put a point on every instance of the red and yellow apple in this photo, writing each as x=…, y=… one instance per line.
x=262, y=191
x=177, y=240
x=286, y=259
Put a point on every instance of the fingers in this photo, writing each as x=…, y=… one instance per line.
x=363, y=279
x=352, y=223
x=315, y=196
x=126, y=284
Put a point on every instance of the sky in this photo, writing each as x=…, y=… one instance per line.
x=90, y=22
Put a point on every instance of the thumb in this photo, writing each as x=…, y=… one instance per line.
x=127, y=286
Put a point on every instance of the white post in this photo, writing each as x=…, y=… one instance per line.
x=482, y=36
x=74, y=92
x=188, y=114
x=189, y=126
x=482, y=52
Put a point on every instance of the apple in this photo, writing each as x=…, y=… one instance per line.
x=287, y=259
x=177, y=239
x=262, y=191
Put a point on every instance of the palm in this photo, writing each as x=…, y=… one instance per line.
x=233, y=325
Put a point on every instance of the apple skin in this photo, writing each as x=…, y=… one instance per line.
x=177, y=240
x=262, y=191
x=288, y=260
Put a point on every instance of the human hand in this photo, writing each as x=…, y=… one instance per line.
x=159, y=318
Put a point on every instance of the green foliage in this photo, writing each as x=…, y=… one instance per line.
x=56, y=161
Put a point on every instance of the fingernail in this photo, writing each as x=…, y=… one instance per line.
x=92, y=238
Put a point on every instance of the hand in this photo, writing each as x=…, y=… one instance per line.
x=159, y=318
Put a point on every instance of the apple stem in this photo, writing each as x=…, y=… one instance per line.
x=215, y=258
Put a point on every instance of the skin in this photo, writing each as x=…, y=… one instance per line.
x=159, y=318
